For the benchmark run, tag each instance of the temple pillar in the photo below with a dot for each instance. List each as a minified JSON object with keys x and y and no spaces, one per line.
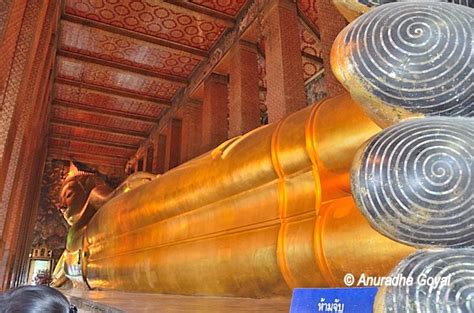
{"x":167,"y":132}
{"x":192,"y":128}
{"x":331,"y":22}
{"x":175,"y":143}
{"x":159,"y":161}
{"x":149,"y":156}
{"x":244,"y":112}
{"x":214,"y":112}
{"x":285,"y":81}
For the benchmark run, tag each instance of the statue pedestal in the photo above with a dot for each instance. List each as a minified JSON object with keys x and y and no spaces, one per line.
{"x":114,"y":302}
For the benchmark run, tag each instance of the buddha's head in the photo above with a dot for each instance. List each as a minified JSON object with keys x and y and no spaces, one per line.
{"x":75,"y":192}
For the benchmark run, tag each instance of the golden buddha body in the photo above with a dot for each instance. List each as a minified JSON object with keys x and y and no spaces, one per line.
{"x":259,"y":215}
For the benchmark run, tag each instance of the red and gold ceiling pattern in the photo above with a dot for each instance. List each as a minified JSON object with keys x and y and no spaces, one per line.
{"x":310,"y":68}
{"x":107,"y":101}
{"x":104,"y":76}
{"x":92,"y":134}
{"x":311,"y":49}
{"x":308,"y":8}
{"x":169,"y":23}
{"x":98,"y":149}
{"x":122,"y":49}
{"x":310,"y":44}
{"x":230,"y":7}
{"x":75,"y":115}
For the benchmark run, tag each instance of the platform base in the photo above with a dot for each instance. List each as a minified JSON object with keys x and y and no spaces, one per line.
{"x":113,"y":302}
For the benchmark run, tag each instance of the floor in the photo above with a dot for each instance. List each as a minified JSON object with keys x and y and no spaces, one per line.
{"x":112,"y":301}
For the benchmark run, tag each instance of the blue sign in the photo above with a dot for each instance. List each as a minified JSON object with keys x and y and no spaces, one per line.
{"x":335,"y":300}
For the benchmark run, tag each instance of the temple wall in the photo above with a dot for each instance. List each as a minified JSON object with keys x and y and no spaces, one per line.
{"x":27,"y":39}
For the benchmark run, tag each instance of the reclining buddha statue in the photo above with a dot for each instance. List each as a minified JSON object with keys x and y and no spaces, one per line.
{"x":276,"y":208}
{"x":257,"y":216}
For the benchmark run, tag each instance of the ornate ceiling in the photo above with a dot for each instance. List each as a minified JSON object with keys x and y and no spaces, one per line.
{"x":122,"y":64}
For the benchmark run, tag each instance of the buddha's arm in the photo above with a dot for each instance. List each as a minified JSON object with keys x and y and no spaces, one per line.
{"x":59,"y":276}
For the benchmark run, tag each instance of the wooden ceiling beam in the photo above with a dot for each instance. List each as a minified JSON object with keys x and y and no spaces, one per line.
{"x":62,"y":154}
{"x":133,"y":34}
{"x":66,"y":152}
{"x":106,"y":112}
{"x":311,"y":57}
{"x":107,"y":115}
{"x":95,"y":142}
{"x":111,"y":130}
{"x":124,"y":67}
{"x":112,"y":92}
{"x":128,"y":140}
{"x":209,"y":13}
{"x":124,"y":154}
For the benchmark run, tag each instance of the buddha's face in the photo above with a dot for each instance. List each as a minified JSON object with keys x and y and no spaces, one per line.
{"x":74,"y":195}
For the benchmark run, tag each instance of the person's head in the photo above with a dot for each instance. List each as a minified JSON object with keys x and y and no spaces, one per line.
{"x":34,"y":299}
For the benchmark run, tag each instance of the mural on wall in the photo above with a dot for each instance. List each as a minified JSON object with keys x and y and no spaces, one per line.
{"x":313,"y":68}
{"x":50,"y":229}
{"x":262,"y":85}
{"x":315,"y":89}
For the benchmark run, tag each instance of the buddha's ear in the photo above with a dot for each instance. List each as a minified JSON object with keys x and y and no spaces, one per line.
{"x":73,"y":171}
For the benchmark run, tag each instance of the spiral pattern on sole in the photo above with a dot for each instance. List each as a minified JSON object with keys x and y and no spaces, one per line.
{"x":442,"y":281}
{"x":413,"y":182}
{"x":409,"y":58}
